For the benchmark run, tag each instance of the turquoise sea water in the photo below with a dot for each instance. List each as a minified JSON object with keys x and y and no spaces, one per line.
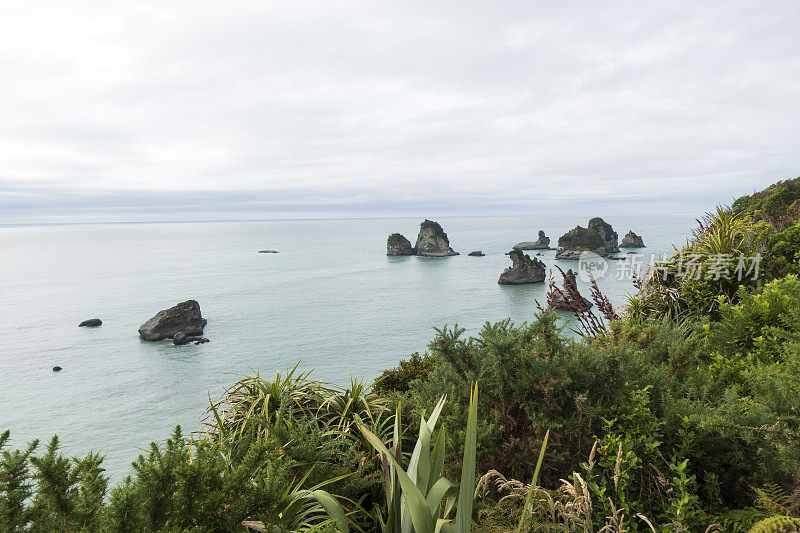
{"x":330,"y":299}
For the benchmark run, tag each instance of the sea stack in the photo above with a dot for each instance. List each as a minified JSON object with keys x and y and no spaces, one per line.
{"x":607,"y":233}
{"x":523,"y":270}
{"x":568,"y":298}
{"x":184,"y":318}
{"x":631,"y":240}
{"x":397,"y":244}
{"x":432,"y":241}
{"x":542,"y":243}
{"x":599,"y":237}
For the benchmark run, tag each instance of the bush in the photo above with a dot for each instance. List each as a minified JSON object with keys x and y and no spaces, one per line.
{"x":398,"y":379}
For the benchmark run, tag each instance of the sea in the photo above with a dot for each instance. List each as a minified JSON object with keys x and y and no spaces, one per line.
{"x":330,"y":301}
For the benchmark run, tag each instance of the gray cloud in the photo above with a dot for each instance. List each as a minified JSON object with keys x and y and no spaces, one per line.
{"x":378,"y":107}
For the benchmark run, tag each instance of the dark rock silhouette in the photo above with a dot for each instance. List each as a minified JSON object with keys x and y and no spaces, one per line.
{"x":523,"y":270}
{"x":397,"y":244}
{"x":183,"y":318}
{"x":599,"y":237}
{"x":432,"y":241}
{"x":568,"y":298}
{"x":91,"y":323}
{"x":631,"y":240}
{"x":543,"y":243}
{"x":56,"y":369}
{"x":476,"y":253}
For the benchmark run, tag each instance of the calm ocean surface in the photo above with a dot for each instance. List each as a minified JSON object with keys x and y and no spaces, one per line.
{"x":330,"y":299}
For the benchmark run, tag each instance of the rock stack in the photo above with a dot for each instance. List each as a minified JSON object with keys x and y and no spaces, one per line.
{"x":631,"y":240}
{"x":523,"y":269}
{"x":397,"y":244}
{"x":599,"y":237}
{"x":432,"y":241}
{"x":184,"y":320}
{"x":568,"y":298}
{"x":542,"y":243}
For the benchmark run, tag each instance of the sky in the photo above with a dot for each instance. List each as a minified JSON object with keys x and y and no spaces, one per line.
{"x":187,"y":110}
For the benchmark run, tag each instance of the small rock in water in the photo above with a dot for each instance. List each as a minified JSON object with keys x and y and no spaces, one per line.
{"x":56,"y":369}
{"x":268,"y":251}
{"x":631,"y":240}
{"x":91,"y":323}
{"x":476,"y":253}
{"x":182,"y":337}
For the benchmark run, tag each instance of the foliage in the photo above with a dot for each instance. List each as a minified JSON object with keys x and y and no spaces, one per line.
{"x":773,"y":204}
{"x":175,"y":486}
{"x":314,"y":424}
{"x":533,"y":379}
{"x":419,"y":499}
{"x":580,"y":238}
{"x":399,"y":379}
{"x":777,"y":524}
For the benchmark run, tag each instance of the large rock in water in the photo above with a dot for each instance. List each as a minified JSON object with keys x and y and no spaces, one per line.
{"x":397,"y":244}
{"x":607,"y":233}
{"x":568,"y":298}
{"x":631,"y":240}
{"x":183,"y":318}
{"x":91,"y":323}
{"x":578,"y":240}
{"x":432,"y":241}
{"x":523,"y":269}
{"x":543,"y":243}
{"x":599,"y":237}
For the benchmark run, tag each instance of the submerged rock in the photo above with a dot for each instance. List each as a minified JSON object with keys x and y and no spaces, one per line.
{"x":91,"y":323}
{"x":183,"y":318}
{"x":631,"y":240}
{"x":397,"y":244}
{"x":476,"y":253}
{"x":268,"y":251}
{"x":432,"y":241}
{"x":568,"y":298}
{"x":523,"y":269}
{"x":542,"y":243}
{"x":599,"y":237}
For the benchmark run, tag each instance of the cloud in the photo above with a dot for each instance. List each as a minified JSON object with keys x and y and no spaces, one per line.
{"x":377,"y":106}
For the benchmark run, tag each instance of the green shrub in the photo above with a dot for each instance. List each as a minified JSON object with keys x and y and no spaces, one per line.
{"x":399,"y":379}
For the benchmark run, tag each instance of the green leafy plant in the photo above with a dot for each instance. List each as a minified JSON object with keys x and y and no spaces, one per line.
{"x":419,"y":499}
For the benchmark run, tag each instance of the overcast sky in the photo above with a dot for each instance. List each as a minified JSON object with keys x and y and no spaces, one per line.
{"x":114,"y":110}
